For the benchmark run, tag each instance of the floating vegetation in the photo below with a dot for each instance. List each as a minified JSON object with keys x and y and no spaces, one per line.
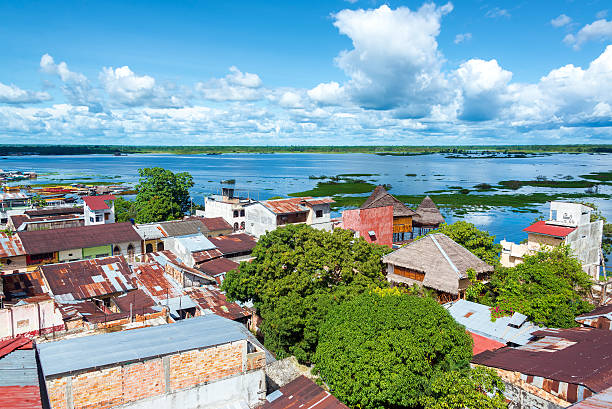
{"x":562,"y":184}
{"x":229,"y":182}
{"x":411,"y":174}
{"x":337,"y":188}
{"x":601,"y":176}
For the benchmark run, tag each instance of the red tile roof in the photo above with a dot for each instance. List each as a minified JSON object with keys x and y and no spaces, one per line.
{"x":577,"y":355}
{"x":88,"y":278}
{"x":215,"y":301}
{"x":10,"y":245}
{"x":302,"y":393}
{"x":541,"y":227}
{"x":98,"y":202}
{"x":48,"y":241}
{"x":482,"y":344}
{"x":234,"y":243}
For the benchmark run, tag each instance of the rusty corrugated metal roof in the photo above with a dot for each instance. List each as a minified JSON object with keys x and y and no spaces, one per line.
{"x":302,"y":393}
{"x":602,"y":400}
{"x":234,"y":243}
{"x":206,"y":255}
{"x":80,"y":280}
{"x":151,"y":277}
{"x":285,"y":206}
{"x":577,"y":355}
{"x":209,"y":298}
{"x":21,"y":285}
{"x":10,"y":246}
{"x":218,"y":266}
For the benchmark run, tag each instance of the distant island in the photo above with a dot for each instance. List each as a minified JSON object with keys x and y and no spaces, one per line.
{"x":453,"y":151}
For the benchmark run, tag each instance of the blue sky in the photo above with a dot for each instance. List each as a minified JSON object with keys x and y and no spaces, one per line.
{"x":324,"y":72}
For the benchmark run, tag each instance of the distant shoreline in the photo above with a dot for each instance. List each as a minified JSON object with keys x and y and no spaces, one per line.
{"x":455,"y":152}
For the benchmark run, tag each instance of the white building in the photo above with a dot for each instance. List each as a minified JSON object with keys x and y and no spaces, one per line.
{"x":568,"y":224}
{"x":262,"y":217}
{"x":231,"y":208}
{"x":99,"y":209}
{"x":192,"y":249}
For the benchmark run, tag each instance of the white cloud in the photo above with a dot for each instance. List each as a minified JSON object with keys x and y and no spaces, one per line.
{"x":497,"y":12}
{"x":483,"y":84}
{"x":560,"y":21}
{"x":601,"y":14}
{"x":236,"y":86}
{"x":395,"y":62}
{"x":597,"y":30}
{"x":290,"y":100}
{"x":76,"y":86}
{"x":328,"y":93}
{"x":460,"y":38}
{"x":12,"y":94}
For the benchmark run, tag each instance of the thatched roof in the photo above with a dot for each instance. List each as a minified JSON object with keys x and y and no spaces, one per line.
{"x":427,"y":214}
{"x":443,"y":261}
{"x":381,"y":198}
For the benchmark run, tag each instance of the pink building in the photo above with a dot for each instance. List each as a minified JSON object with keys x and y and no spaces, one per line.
{"x":375,"y":225}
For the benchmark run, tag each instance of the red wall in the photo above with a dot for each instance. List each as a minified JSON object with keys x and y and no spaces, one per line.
{"x":379,"y":219}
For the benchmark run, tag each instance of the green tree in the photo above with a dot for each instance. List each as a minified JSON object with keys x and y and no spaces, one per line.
{"x":125,"y":210}
{"x":162,"y":195}
{"x":549,"y":287}
{"x":298,"y":274}
{"x":479,"y":242}
{"x":386,"y":349}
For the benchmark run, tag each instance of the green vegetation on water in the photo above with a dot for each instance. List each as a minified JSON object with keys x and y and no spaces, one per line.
{"x":601,"y":176}
{"x":380,"y":149}
{"x":337,"y":188}
{"x":565,"y":184}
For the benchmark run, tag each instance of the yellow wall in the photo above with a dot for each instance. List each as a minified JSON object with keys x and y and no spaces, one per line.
{"x":402,"y":224}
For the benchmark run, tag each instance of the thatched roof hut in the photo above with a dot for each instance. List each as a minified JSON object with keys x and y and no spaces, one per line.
{"x":442,"y":261}
{"x":427,"y":214}
{"x":381,"y":198}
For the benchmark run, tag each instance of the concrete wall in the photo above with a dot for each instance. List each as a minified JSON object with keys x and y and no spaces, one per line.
{"x":259,"y":220}
{"x":585,"y":242}
{"x":215,"y":208}
{"x":90,"y":215}
{"x":30,"y":320}
{"x":379,"y":220}
{"x":72,"y":255}
{"x":123,"y":249}
{"x":13,"y":263}
{"x":571,"y":214}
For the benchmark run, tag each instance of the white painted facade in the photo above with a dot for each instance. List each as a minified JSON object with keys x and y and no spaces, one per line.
{"x":261,"y":220}
{"x":105,"y":216}
{"x":569,"y":214}
{"x":231,"y":209}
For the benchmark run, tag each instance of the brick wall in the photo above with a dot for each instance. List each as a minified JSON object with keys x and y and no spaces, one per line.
{"x":126,"y":383}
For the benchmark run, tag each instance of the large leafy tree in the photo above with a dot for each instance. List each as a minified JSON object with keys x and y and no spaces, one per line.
{"x":162,"y":195}
{"x":386,"y":349}
{"x":297,"y":275}
{"x":549,"y":287}
{"x":124,"y":210}
{"x":479,"y":242}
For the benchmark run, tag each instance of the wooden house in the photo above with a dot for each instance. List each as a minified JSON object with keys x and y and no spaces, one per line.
{"x":402,"y":215}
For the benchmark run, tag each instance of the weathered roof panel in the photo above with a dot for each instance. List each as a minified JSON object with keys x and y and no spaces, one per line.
{"x":234,"y":243}
{"x":10,"y":245}
{"x":126,"y":346}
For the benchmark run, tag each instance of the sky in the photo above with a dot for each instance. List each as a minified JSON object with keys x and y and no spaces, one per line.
{"x":333,"y":72}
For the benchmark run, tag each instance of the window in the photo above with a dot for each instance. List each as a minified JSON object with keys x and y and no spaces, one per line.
{"x":236,"y":226}
{"x":116,"y":250}
{"x":98,"y":217}
{"x":91,"y":219}
{"x":319,"y":213}
{"x":106,"y":216}
{"x":236,"y":213}
{"x":160,"y":246}
{"x":149,"y":248}
{"x":242,"y":213}
{"x":242,"y":226}
{"x":553,"y":215}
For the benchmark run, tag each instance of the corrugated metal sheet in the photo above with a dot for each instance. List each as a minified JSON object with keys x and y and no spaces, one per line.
{"x":10,"y":246}
{"x":302,"y":393}
{"x":477,"y":319}
{"x":218,"y":266}
{"x":285,"y":206}
{"x":213,"y":300}
{"x":76,"y":279}
{"x":96,"y":351}
{"x":541,"y":227}
{"x":19,"y":388}
{"x":19,"y":368}
{"x":20,"y":397}
{"x":98,"y":202}
{"x":195,"y":242}
{"x":234,"y":243}
{"x":24,"y":284}
{"x":580,"y":356}
{"x":602,"y":400}
{"x":154,"y":281}
{"x":13,"y":196}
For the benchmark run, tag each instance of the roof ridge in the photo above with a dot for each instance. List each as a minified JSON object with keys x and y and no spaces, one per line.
{"x":450,"y":262}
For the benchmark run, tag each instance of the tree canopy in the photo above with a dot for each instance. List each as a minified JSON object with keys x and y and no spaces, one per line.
{"x":162,"y":195}
{"x":124,"y":210}
{"x":298,"y":274}
{"x":479,"y":242}
{"x":549,"y":287}
{"x":387,"y":349}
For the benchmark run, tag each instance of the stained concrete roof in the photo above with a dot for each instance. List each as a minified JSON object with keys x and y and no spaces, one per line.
{"x":97,"y":351}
